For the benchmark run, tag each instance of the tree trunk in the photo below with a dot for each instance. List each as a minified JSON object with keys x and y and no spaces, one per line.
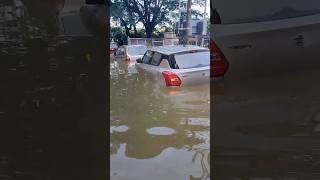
{"x":135,"y":29}
{"x":149,"y":30}
{"x":127,"y":31}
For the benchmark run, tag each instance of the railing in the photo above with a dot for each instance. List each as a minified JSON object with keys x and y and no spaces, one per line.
{"x":151,"y":42}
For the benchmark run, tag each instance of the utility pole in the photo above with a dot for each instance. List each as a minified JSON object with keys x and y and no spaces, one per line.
{"x":185,"y":21}
{"x":205,"y":10}
{"x":189,"y":29}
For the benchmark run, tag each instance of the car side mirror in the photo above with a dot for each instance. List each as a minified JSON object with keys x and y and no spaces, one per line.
{"x":139,"y":60}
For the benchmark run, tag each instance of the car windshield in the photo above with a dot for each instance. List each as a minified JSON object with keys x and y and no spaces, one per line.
{"x":193,"y":59}
{"x":137,"y":50}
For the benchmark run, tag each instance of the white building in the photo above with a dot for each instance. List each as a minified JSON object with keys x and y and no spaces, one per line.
{"x":198,"y":26}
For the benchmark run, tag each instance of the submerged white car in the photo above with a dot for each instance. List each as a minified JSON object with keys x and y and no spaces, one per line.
{"x":131,"y":52}
{"x":176,"y":65}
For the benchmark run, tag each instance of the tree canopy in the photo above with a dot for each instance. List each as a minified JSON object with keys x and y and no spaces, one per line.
{"x":150,"y":13}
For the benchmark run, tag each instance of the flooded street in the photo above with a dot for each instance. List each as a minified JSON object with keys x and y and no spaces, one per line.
{"x":267,"y":128}
{"x":53,"y":83}
{"x":157,"y":133}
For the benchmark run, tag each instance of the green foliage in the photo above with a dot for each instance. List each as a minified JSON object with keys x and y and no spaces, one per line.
{"x":140,"y":33}
{"x":159,"y":32}
{"x":119,"y":35}
{"x":150,"y":13}
{"x":196,"y":14}
{"x":119,"y":11}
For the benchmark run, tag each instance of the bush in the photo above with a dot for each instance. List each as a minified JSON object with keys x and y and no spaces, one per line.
{"x":119,"y":35}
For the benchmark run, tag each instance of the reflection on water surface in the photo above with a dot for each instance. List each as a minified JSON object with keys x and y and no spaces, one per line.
{"x":52,"y":96}
{"x":157,"y":134}
{"x":267,"y":128}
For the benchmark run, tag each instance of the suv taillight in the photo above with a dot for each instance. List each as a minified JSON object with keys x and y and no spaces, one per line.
{"x":219,"y":64}
{"x":171,"y":78}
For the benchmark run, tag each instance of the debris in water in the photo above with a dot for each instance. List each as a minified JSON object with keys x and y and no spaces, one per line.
{"x":161,"y":131}
{"x":122,"y":128}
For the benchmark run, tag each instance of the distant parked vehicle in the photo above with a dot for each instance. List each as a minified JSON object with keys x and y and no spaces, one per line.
{"x":131,"y":53}
{"x":113,"y":47}
{"x":254,"y":39}
{"x":176,"y":65}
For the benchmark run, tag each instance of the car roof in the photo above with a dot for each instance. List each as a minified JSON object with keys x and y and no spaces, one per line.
{"x":174,"y":49}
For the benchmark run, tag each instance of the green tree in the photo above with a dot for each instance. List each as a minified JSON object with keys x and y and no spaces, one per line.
{"x":122,"y":13}
{"x":139,"y":33}
{"x":159,"y":31}
{"x":119,"y":35}
{"x":151,"y":12}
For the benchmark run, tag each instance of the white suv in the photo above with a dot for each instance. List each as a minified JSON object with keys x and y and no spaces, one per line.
{"x":176,"y":65}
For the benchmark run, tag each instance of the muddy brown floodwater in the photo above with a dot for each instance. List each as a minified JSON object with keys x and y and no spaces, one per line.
{"x":267,"y":128}
{"x":53,"y":91}
{"x":157,"y":133}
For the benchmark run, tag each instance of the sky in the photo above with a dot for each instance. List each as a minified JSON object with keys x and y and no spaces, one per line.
{"x":201,"y":9}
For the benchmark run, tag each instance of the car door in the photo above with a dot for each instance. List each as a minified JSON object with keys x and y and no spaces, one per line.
{"x":153,"y":66}
{"x":266,"y":37}
{"x":150,"y":66}
{"x":145,"y":61}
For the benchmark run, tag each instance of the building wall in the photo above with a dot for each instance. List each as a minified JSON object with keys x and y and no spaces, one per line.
{"x":196,"y":25}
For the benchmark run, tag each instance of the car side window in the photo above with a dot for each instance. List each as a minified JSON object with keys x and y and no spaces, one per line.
{"x":147,"y":57}
{"x":156,"y":58}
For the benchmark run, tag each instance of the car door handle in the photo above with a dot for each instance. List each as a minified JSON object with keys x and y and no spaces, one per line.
{"x":242,"y":46}
{"x":299,"y":40}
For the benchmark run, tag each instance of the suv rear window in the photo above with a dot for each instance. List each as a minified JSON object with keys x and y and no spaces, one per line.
{"x":246,"y":11}
{"x":192,"y":60}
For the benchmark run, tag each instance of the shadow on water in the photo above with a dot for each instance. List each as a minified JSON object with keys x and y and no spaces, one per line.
{"x":157,"y":133}
{"x":267,"y":128}
{"x":53,"y":92}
